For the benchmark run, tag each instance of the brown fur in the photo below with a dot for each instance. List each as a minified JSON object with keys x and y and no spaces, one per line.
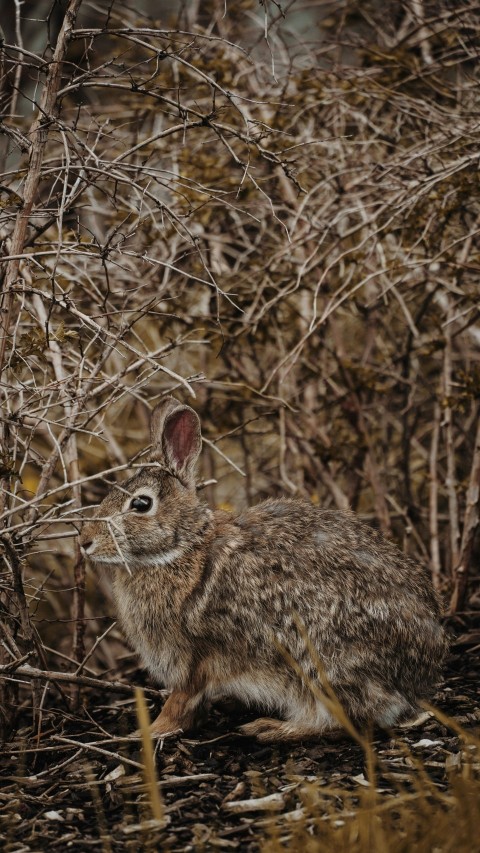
{"x":215,"y":603}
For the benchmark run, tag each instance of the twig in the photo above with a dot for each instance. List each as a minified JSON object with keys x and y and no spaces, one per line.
{"x":470,"y":526}
{"x":97,"y":642}
{"x":451,"y":480}
{"x":91,"y":747}
{"x":433,"y":498}
{"x":86,"y":681}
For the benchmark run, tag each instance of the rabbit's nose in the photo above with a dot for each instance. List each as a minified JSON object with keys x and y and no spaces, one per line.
{"x":85,"y":545}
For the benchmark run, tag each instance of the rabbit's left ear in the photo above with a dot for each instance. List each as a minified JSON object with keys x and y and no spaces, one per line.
{"x":177,"y":437}
{"x":161,"y":411}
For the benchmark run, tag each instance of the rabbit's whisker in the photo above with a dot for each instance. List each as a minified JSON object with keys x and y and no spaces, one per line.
{"x":158,"y":560}
{"x":112,"y":524}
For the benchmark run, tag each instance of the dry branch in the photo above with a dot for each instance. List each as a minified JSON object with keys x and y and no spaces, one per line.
{"x":28,"y":671}
{"x":462,"y":568}
{"x":38,"y":136}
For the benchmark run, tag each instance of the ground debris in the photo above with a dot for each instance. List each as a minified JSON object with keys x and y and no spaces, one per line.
{"x":73,"y":786}
{"x":272,"y":802}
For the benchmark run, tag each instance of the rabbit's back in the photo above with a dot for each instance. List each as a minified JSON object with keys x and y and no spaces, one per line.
{"x":293,"y":554}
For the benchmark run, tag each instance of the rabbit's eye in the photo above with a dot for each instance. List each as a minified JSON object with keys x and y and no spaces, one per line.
{"x":142,"y":503}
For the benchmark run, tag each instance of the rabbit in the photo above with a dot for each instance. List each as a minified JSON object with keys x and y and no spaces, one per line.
{"x":280,"y":606}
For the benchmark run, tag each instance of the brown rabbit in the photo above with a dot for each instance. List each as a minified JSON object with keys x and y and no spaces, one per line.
{"x":264,"y":606}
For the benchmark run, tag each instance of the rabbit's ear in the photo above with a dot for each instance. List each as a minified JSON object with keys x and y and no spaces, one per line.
{"x":160,"y":412}
{"x":176,"y":437}
{"x":182,"y":441}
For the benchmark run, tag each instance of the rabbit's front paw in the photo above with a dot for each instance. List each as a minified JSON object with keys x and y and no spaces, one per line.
{"x":156,"y":731}
{"x":181,"y":713}
{"x":164,"y":729}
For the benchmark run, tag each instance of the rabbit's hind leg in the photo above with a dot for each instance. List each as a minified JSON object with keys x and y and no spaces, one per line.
{"x":181,"y":713}
{"x":306,"y":718}
{"x":269,"y":730}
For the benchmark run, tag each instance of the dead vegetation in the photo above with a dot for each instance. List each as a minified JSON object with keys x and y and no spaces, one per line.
{"x":275,"y":210}
{"x":83,"y":785}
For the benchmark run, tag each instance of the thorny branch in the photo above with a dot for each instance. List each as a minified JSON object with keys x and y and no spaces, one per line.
{"x":38,"y":136}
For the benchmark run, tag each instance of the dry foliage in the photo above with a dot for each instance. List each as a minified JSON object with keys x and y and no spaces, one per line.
{"x":273,"y":209}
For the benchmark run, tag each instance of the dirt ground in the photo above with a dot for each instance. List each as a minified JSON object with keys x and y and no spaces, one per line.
{"x":79,"y":784}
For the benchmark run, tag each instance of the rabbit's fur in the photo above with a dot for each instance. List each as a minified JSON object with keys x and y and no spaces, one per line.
{"x":265,"y":606}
